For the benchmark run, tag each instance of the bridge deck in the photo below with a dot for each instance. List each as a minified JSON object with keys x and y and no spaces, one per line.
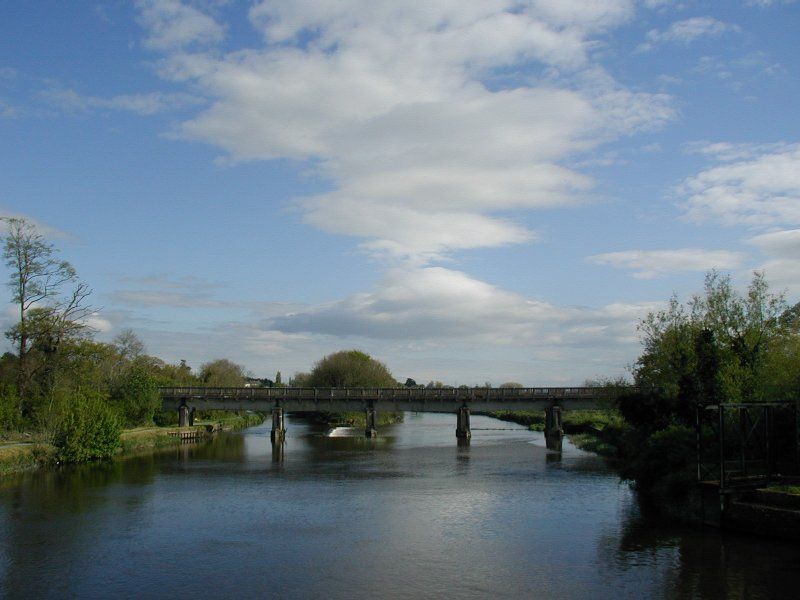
{"x":387,"y":399}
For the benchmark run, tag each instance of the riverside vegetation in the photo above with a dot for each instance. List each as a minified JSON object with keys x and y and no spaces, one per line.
{"x":65,"y":397}
{"x":720,"y":346}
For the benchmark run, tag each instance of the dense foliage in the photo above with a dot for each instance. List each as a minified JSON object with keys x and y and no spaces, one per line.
{"x":722,"y":346}
{"x":61,"y":385}
{"x":350,"y":368}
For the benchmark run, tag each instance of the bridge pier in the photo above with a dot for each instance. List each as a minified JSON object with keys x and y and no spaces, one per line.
{"x":278,"y":433}
{"x":191,"y":417}
{"x":370,"y":430}
{"x":553,"y":430}
{"x":463,"y":432}
{"x":183,"y":415}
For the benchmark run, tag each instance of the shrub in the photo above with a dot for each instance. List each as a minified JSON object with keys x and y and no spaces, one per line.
{"x":137,"y":396}
{"x":89,"y":430}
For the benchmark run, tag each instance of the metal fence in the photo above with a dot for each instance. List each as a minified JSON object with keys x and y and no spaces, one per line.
{"x":747,"y":443}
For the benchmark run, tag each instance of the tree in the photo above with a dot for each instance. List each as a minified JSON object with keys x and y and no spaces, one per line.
{"x":47,"y":313}
{"x":129,"y":344}
{"x":717,"y":345}
{"x":222,"y":373}
{"x":351,"y":368}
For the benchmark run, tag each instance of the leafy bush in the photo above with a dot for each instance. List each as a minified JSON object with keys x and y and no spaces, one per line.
{"x":89,"y":430}
{"x":137,"y":396}
{"x":662,"y":463}
{"x":10,"y":417}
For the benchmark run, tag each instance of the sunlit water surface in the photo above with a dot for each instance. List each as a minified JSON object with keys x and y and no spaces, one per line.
{"x":408,"y":515}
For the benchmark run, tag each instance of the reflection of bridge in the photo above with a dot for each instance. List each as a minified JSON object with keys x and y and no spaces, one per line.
{"x":459,"y":401}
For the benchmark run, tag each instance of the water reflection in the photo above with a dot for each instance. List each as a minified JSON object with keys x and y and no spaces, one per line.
{"x":409,"y":514}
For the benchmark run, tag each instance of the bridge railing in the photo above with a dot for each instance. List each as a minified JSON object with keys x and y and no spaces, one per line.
{"x":510,"y":394}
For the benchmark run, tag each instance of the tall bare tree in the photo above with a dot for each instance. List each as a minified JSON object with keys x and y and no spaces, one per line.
{"x":50,"y":299}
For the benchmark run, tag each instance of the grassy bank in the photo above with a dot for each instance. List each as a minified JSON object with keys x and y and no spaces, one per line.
{"x":590,"y":430}
{"x":18,"y":457}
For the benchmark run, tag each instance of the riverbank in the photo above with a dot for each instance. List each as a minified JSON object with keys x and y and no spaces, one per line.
{"x":21,"y":456}
{"x":590,"y":430}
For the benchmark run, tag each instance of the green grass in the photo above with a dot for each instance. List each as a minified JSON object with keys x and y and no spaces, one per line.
{"x":20,"y":458}
{"x":786,"y":489}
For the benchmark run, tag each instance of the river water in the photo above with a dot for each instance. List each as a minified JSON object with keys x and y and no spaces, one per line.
{"x":408,"y":515}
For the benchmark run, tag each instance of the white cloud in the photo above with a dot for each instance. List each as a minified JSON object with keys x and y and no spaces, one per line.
{"x":172,"y":24}
{"x":141,"y":104}
{"x":687,"y":31}
{"x":388,"y":100}
{"x":434,"y":303}
{"x":765,"y":3}
{"x":782,"y":267}
{"x":648,"y":264}
{"x":756,"y":185}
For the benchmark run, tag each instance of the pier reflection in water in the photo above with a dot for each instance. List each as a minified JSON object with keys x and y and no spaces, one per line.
{"x":409,"y":514}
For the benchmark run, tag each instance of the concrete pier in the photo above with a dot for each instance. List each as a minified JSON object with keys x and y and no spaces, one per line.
{"x":191,"y":417}
{"x":370,"y":430}
{"x":278,"y":433}
{"x":553,"y":430}
{"x":183,"y":415}
{"x":463,"y":432}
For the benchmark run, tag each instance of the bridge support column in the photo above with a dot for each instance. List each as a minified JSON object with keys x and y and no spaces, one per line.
{"x":369,"y":430}
{"x":278,"y":433}
{"x":553,"y":430}
{"x":183,"y":415}
{"x":463,"y":432}
{"x":191,"y":417}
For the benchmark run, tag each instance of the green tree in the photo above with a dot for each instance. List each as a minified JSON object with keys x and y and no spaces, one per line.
{"x":89,"y":430}
{"x":47,"y":312}
{"x":137,"y":396}
{"x":222,"y":373}
{"x":351,"y":368}
{"x":717,"y":345}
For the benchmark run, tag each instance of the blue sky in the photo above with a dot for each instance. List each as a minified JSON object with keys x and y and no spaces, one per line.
{"x":468,"y":190}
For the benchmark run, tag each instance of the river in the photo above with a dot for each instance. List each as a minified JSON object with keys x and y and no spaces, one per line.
{"x":408,"y":515}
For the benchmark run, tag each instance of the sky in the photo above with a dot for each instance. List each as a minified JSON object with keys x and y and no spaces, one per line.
{"x":468,"y":190}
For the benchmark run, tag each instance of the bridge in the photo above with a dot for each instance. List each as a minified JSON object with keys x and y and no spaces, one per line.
{"x":459,"y":401}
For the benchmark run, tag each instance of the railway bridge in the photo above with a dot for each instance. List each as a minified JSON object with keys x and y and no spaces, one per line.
{"x":458,"y":401}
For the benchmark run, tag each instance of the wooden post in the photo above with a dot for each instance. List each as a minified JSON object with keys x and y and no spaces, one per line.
{"x":278,"y":433}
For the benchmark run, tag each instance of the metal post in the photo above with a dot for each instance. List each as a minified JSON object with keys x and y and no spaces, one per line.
{"x":743,"y":439}
{"x":767,"y":435}
{"x":721,"y":437}
{"x":278,"y":432}
{"x":463,"y":431}
{"x":698,"y":440}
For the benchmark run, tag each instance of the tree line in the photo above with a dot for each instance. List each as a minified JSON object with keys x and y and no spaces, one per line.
{"x":62,"y":385}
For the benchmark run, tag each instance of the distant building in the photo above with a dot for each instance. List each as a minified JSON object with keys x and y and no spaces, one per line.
{"x":255,"y":382}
